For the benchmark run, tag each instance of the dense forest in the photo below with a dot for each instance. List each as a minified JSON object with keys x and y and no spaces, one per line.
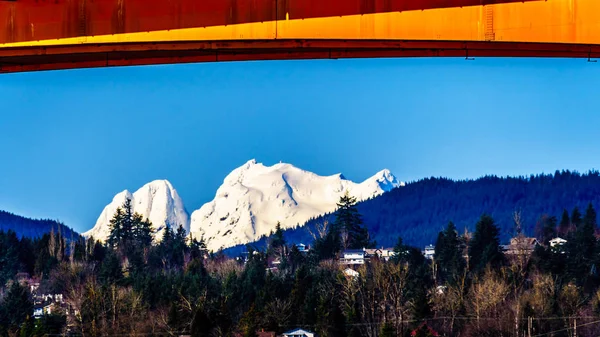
{"x":419,"y":210}
{"x":32,"y":228}
{"x":131,"y":286}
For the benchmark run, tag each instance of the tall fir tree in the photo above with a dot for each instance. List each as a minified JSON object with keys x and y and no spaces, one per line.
{"x":565,"y":223}
{"x":484,"y":248}
{"x":277,"y":240}
{"x":349,"y":222}
{"x":142,"y":231}
{"x":18,"y":305}
{"x":448,"y":254}
{"x":116,"y":229}
{"x":576,"y":217}
{"x":581,"y":247}
{"x":548,"y":231}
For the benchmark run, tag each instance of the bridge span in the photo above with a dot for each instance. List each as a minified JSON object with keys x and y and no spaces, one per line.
{"x":65,"y":34}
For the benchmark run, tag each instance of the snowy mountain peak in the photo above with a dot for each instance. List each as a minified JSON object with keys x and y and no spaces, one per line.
{"x":157,"y":201}
{"x":254,"y":197}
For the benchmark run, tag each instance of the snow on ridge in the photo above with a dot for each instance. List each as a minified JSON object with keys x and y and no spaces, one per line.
{"x":157,"y":201}
{"x":249,"y":203}
{"x":254,"y":197}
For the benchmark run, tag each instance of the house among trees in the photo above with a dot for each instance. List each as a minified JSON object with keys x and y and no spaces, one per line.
{"x":557,"y":242}
{"x":520,"y":245}
{"x":429,"y":252}
{"x":302,"y":248}
{"x":382,"y":253}
{"x":351,"y":273}
{"x":299,"y":333}
{"x":40,"y":310}
{"x":353,"y":256}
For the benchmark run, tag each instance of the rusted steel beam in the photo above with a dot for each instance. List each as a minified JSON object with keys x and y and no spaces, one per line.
{"x":20,"y":59}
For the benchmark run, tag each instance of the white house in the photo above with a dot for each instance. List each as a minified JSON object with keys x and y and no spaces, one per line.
{"x":557,"y":242}
{"x":429,"y":252}
{"x":382,"y":253}
{"x":299,"y":333}
{"x":353,"y":256}
{"x":42,"y":309}
{"x":302,"y":247}
{"x":351,"y":273}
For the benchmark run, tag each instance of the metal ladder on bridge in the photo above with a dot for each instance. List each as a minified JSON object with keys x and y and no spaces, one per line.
{"x":489,"y":34}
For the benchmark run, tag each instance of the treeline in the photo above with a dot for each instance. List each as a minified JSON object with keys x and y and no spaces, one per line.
{"x":133,"y":286}
{"x":418,"y":211}
{"x":32,"y":228}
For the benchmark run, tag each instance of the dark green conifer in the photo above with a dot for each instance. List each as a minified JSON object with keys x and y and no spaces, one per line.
{"x":484,"y":248}
{"x":349,"y":222}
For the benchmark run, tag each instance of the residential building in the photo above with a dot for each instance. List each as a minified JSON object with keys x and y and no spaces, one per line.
{"x":429,"y":252}
{"x":382,"y":253}
{"x":299,"y":333}
{"x":520,"y":245}
{"x":302,"y":247}
{"x":351,"y":273}
{"x":40,"y":310}
{"x":557,"y":242}
{"x":353,"y":256}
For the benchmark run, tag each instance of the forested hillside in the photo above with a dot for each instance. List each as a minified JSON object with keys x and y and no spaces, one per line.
{"x":419,"y":210}
{"x":32,"y":228}
{"x":472,"y":286}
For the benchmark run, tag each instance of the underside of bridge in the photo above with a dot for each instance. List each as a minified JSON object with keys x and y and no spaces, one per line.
{"x":65,"y":34}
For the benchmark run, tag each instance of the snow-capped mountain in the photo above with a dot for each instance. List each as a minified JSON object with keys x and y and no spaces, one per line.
{"x":157,"y":201}
{"x":254,"y":197}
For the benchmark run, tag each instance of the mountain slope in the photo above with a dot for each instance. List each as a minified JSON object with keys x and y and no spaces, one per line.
{"x":157,"y":201}
{"x":32,"y":228}
{"x":420,"y":210}
{"x":254,"y":197}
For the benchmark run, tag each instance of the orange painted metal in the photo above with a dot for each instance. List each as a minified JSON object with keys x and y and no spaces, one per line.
{"x":30,"y":20}
{"x":64,"y":34}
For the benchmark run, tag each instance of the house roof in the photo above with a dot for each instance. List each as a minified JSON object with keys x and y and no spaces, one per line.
{"x":557,"y":239}
{"x":354,"y":251}
{"x":297,"y":331}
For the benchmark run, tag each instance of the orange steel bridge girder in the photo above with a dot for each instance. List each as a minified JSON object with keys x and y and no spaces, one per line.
{"x":64,"y":34}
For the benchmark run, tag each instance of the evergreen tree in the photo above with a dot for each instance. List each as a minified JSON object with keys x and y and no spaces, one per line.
{"x":581,"y":247}
{"x":179,"y":247}
{"x":127,"y":229}
{"x":197,"y":248}
{"x":116,"y":229}
{"x":328,"y":246}
{"x":142,"y":231}
{"x":9,"y":255}
{"x":565,"y":222}
{"x":576,"y":217}
{"x":484,"y":248}
{"x":277,"y":239}
{"x":17,"y":305}
{"x":349,"y":223}
{"x":590,"y":218}
{"x":400,"y":252}
{"x":548,"y":229}
{"x":249,"y":324}
{"x":448,"y":254}
{"x":110,"y":270}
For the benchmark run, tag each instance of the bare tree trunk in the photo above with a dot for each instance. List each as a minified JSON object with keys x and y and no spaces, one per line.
{"x":517,"y":319}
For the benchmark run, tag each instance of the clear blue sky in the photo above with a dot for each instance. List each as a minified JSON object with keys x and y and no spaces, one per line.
{"x":70,"y":140}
